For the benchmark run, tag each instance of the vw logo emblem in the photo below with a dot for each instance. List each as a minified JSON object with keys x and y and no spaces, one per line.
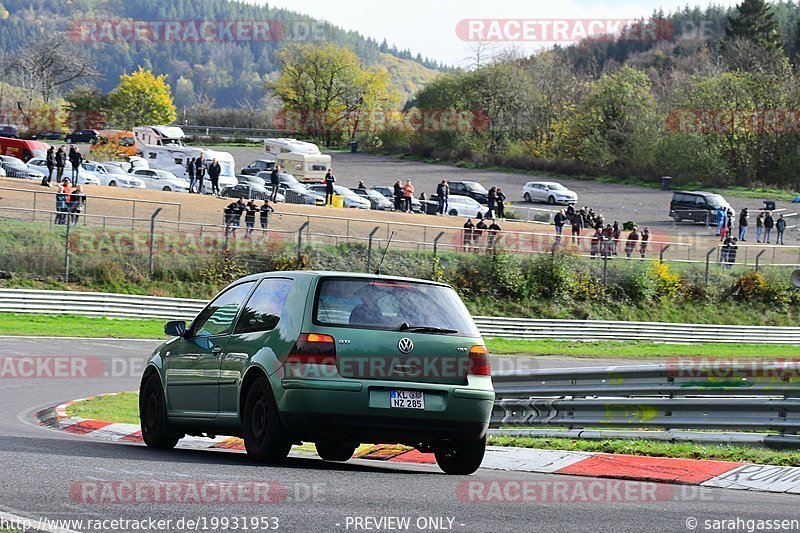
{"x":405,"y":345}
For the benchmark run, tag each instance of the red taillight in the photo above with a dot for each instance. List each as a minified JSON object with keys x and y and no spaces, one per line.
{"x":314,"y":349}
{"x":479,"y":361}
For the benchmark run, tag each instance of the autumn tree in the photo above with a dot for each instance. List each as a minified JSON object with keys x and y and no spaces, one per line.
{"x":141,"y":98}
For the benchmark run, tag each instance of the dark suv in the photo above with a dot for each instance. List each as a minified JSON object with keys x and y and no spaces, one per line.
{"x":696,"y":206}
{"x":82,"y":136}
{"x":473,"y":189}
{"x":259,"y":165}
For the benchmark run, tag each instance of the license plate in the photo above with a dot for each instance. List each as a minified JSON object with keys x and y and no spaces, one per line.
{"x":406,"y":399}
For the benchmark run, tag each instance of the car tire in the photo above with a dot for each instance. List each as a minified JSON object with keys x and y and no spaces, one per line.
{"x":112,"y":184}
{"x":166,"y":189}
{"x":453,"y":213}
{"x":677,"y":217}
{"x":335,"y":451}
{"x":68,"y":140}
{"x":264,"y":435}
{"x":153,"y":415}
{"x":551,"y":200}
{"x":528,"y":198}
{"x":461,"y":459}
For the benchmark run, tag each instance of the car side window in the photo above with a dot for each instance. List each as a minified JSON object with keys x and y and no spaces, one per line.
{"x":263,"y":310}
{"x":217,"y":318}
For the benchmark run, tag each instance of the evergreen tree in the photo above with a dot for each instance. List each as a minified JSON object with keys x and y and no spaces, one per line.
{"x":755,"y":21}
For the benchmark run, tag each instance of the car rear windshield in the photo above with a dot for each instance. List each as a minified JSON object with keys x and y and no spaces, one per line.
{"x":392,"y":305}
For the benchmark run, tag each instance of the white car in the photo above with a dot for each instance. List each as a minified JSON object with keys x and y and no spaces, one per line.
{"x":161,"y":180}
{"x":84,"y":176}
{"x":16,"y":168}
{"x":549,"y":192}
{"x":351,"y":199}
{"x":2,"y":172}
{"x":463,"y":206}
{"x":113,"y":176}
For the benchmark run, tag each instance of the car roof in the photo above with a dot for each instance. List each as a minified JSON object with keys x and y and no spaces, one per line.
{"x":335,"y":274}
{"x":699,"y":193}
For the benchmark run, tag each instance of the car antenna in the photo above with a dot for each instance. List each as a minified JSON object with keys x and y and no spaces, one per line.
{"x":378,"y":270}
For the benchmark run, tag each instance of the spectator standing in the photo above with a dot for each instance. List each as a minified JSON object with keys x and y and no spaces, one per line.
{"x":631,"y":242}
{"x":61,"y":162}
{"x":595,"y":243}
{"x":250,"y":218}
{"x":442,"y":194}
{"x":744,"y":220}
{"x":616,"y":233}
{"x":577,"y":226}
{"x":501,"y":204}
{"x":493,"y":236}
{"x":721,"y":216}
{"x":599,"y":221}
{"x":361,"y":187}
{"x":724,"y":233}
{"x":608,"y":237}
{"x":477,"y":232}
{"x":408,"y":194}
{"x":77,"y":200}
{"x":492,"y":201}
{"x":330,"y":179}
{"x":61,"y":206}
{"x":760,"y":225}
{"x":729,"y":221}
{"x":234,"y":216}
{"x":559,"y":220}
{"x":265,"y":210}
{"x":214,"y":170}
{"x":732,"y":249}
{"x":468,"y":228}
{"x":190,"y":172}
{"x":398,"y":196}
{"x":50,"y":161}
{"x":76,"y":160}
{"x":275,"y":181}
{"x":780,"y":227}
{"x":645,"y":239}
{"x":200,"y":172}
{"x":769,"y":223}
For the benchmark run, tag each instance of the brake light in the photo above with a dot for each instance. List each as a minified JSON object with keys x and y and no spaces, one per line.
{"x":479,"y":361}
{"x":315,"y":349}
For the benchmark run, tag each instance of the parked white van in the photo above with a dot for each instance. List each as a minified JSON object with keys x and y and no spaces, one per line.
{"x":307,"y":168}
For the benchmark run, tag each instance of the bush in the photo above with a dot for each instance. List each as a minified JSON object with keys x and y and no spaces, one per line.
{"x":550,"y":276}
{"x":750,"y":287}
{"x":635,"y":282}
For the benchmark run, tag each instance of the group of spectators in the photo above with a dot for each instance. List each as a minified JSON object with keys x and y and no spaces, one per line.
{"x":473,"y":233}
{"x":69,"y":203}
{"x":56,"y":160}
{"x":765,"y":223}
{"x":233,"y":216}
{"x":197,"y":169}
{"x":605,"y":238}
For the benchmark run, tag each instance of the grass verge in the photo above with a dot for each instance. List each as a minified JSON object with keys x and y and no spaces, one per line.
{"x":79,"y":326}
{"x":124,"y":408}
{"x":683,"y":450}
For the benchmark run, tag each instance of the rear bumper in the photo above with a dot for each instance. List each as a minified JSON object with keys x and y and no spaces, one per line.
{"x":359,"y":411}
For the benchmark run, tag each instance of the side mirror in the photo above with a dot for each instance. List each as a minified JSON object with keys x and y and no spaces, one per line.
{"x":175,"y":328}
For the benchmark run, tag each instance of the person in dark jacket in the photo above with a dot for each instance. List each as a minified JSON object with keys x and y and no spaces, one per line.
{"x":77,"y":201}
{"x":577,"y":227}
{"x":442,"y":195}
{"x":233,"y":216}
{"x":501,"y":204}
{"x":744,"y":220}
{"x":190,"y":172}
{"x":492,"y":201}
{"x":645,"y":239}
{"x":559,"y":220}
{"x":398,"y":196}
{"x":61,"y":206}
{"x":769,"y":223}
{"x":330,"y":179}
{"x":76,"y":159}
{"x":780,"y":227}
{"x":616,"y":233}
{"x":200,"y":172}
{"x":477,"y":232}
{"x":493,"y":235}
{"x":214,"y":170}
{"x":50,"y":161}
{"x":274,"y":181}
{"x":468,"y":229}
{"x":265,"y":210}
{"x":631,"y":242}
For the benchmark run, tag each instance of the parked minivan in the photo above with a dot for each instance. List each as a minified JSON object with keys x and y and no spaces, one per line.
{"x":697,"y":206}
{"x":122,"y":142}
{"x":22,"y":149}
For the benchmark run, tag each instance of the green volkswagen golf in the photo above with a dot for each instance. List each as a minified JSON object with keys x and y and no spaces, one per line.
{"x":337,"y":359}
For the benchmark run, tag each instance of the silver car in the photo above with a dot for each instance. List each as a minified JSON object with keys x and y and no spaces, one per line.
{"x":113,"y":176}
{"x":549,"y":192}
{"x":161,"y":180}
{"x":85,"y":177}
{"x":16,"y":168}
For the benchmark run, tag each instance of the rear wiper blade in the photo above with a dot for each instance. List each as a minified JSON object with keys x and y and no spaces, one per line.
{"x":405,"y":326}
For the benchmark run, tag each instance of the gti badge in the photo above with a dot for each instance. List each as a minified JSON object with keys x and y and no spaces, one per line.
{"x":405,"y":345}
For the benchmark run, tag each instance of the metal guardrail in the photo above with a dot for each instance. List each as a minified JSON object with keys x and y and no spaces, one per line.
{"x":136,"y":306}
{"x":738,"y":396}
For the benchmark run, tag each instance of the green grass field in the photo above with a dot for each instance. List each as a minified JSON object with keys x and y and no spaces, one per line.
{"x":124,"y":408}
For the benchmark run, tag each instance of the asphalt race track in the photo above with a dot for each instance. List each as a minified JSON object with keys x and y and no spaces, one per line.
{"x":43,"y":471}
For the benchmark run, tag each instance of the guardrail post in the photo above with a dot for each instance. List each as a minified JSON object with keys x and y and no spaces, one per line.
{"x":152,"y":263}
{"x":708,"y":258}
{"x":67,"y":250}
{"x":436,"y":242}
{"x":661,"y":253}
{"x":300,"y":240}
{"x":369,"y":247}
{"x":758,"y":257}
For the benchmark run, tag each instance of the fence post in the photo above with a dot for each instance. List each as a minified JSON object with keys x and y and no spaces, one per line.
{"x":152,"y":263}
{"x":436,"y":242}
{"x":67,"y":250}
{"x":605,"y":260}
{"x":300,"y":240}
{"x":757,"y":259}
{"x":369,"y":248}
{"x":708,"y":258}
{"x":661,"y":253}
{"x":133,"y":215}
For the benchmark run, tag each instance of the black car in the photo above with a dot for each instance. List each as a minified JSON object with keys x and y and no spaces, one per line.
{"x":49,"y":135}
{"x":473,"y":189}
{"x":9,"y":131}
{"x":697,"y":206}
{"x":259,"y":165}
{"x":82,"y":136}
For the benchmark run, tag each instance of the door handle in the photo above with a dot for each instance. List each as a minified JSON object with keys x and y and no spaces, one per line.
{"x":216,"y":350}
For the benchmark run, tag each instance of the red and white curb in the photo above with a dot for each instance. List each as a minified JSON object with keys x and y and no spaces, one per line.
{"x":722,"y":474}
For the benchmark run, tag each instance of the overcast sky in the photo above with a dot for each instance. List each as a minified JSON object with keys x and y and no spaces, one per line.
{"x":429,"y":26}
